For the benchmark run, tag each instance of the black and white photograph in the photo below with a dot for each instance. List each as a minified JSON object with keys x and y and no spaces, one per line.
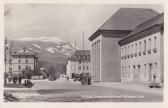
{"x":58,"y":52}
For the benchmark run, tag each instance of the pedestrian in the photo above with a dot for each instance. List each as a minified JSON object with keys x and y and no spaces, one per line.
{"x":14,"y":80}
{"x":20,"y":80}
{"x":25,"y":82}
{"x":154,"y":78}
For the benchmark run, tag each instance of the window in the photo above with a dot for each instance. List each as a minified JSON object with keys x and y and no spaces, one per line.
{"x":87,"y":67}
{"x":83,"y":67}
{"x":154,"y":49}
{"x":135,"y":49}
{"x":139,"y":49}
{"x":128,"y":51}
{"x":139,"y":46}
{"x":155,"y":68}
{"x":149,"y":43}
{"x":144,"y":52}
{"x":125,"y":52}
{"x":26,"y":61}
{"x":26,"y":67}
{"x":19,"y":67}
{"x":19,"y":60}
{"x":145,"y":71}
{"x":132,"y":51}
{"x":149,"y":50}
{"x":79,"y":67}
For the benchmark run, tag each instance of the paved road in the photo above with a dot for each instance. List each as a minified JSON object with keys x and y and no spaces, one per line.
{"x":64,"y":91}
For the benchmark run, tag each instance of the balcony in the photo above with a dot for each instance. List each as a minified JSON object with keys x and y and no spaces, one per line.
{"x":154,"y":50}
{"x":149,"y":51}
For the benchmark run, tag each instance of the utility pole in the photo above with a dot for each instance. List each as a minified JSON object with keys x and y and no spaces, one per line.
{"x":83,"y":48}
{"x":5,"y":42}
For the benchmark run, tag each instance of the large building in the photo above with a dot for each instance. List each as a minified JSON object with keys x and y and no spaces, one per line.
{"x":105,"y":50}
{"x":79,"y":63}
{"x":23,"y":60}
{"x":142,"y":52}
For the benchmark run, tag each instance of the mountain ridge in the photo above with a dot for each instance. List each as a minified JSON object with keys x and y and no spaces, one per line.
{"x":49,"y":49}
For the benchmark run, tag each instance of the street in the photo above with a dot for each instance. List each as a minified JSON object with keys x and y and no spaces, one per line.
{"x":69,"y":91}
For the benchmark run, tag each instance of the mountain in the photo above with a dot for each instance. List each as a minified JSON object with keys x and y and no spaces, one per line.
{"x":48,"y":49}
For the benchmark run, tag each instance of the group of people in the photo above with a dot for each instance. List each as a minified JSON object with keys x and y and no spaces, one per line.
{"x":84,"y":78}
{"x":13,"y":79}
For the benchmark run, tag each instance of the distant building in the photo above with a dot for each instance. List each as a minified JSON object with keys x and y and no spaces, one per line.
{"x":23,"y":60}
{"x":105,"y":50}
{"x":142,"y":52}
{"x":79,"y":63}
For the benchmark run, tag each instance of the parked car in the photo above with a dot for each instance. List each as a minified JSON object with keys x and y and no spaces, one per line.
{"x":155,"y":85}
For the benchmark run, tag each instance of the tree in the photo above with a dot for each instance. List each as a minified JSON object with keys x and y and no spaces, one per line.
{"x":27,"y":73}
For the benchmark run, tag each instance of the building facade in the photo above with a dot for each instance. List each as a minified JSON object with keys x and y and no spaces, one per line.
{"x":79,"y":63}
{"x":105,"y":50}
{"x":142,"y":52}
{"x":23,"y":60}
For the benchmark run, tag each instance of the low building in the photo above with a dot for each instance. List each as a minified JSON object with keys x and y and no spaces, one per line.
{"x":79,"y":63}
{"x":142,"y":52}
{"x":105,"y":50}
{"x":23,"y":60}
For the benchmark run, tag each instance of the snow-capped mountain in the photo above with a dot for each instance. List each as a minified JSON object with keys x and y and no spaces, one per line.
{"x":43,"y":39}
{"x":49,"y":49}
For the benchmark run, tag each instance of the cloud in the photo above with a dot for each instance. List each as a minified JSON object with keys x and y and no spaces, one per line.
{"x":65,"y":21}
{"x":39,"y":28}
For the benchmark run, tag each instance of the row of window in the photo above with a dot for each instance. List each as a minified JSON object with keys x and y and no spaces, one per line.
{"x":27,"y":67}
{"x":98,"y":41}
{"x":19,"y":61}
{"x":80,"y":62}
{"x":84,"y":56}
{"x":138,"y":49}
{"x":152,"y":68}
{"x":84,"y":67}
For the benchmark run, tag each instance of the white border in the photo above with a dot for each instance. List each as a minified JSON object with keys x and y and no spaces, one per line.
{"x":95,"y":104}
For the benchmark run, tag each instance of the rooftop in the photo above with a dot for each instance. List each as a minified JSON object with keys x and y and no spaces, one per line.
{"x":158,"y":20}
{"x":23,"y":52}
{"x":127,"y":19}
{"x":80,"y":55}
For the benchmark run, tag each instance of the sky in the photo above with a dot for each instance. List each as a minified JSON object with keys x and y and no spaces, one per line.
{"x":64,"y":21}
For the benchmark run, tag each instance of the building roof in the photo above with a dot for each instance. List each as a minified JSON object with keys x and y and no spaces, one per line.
{"x":127,"y":19}
{"x":158,"y":20}
{"x":23,"y":52}
{"x":80,"y":55}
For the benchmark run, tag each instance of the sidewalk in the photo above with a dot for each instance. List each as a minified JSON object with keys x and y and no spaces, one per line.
{"x":141,"y":87}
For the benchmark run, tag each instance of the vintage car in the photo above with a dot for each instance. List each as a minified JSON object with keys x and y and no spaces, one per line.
{"x":155,"y":85}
